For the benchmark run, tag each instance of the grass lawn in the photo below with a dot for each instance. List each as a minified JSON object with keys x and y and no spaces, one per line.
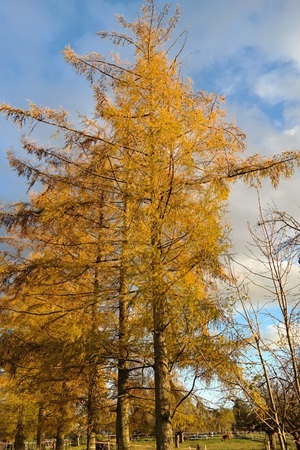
{"x":218,"y":444}
{"x":256,"y":442}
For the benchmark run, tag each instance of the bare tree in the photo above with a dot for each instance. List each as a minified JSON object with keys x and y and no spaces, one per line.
{"x":269,"y":325}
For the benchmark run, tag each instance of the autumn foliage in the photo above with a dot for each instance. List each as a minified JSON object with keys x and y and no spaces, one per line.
{"x":109,"y":271}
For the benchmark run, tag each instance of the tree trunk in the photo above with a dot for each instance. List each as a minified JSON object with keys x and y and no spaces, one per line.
{"x":19,"y":443}
{"x":59,"y":440}
{"x":181,"y":437}
{"x":272,"y":441}
{"x":177,"y":440}
{"x":91,"y":440}
{"x":164,"y":432}
{"x":40,"y":436}
{"x":122,"y":434}
{"x":296,"y":436}
{"x":282,"y":440}
{"x":122,"y":422}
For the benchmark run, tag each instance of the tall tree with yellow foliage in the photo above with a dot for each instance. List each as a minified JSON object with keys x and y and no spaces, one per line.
{"x":51,"y":272}
{"x":136,"y":200}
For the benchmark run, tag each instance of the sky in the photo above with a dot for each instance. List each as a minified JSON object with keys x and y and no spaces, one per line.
{"x":247,"y":50}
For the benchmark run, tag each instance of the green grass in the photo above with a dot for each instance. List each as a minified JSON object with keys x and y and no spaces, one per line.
{"x":232,"y":444}
{"x":251,"y":442}
{"x":208,"y":444}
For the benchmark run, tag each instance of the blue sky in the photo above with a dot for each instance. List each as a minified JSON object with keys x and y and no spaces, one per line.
{"x":246,"y":49}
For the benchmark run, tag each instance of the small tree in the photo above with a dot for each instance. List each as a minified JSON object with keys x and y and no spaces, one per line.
{"x":274,"y":369}
{"x":225,"y":419}
{"x":244,"y":416}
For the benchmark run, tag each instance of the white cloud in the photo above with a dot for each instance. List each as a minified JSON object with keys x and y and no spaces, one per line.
{"x":279,"y":86}
{"x":219,"y":29}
